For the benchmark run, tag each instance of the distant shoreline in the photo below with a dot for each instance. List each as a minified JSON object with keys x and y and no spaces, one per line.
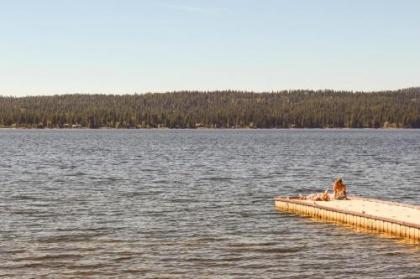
{"x":217,"y":110}
{"x":201,"y":129}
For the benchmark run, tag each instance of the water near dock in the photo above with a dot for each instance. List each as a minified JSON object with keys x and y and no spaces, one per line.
{"x":197,"y":203}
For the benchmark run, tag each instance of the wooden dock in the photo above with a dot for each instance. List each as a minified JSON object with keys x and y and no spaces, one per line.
{"x":397,"y":219}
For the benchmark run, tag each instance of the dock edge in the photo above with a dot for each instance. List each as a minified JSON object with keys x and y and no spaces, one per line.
{"x":355,"y":219}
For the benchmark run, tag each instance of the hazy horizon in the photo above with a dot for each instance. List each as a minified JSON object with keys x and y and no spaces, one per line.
{"x":203,"y":91}
{"x":126,"y":47}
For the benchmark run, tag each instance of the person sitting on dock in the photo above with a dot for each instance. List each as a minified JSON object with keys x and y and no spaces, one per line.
{"x":340,"y":189}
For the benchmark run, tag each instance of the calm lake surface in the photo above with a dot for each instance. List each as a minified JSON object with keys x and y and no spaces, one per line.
{"x":197,"y":203}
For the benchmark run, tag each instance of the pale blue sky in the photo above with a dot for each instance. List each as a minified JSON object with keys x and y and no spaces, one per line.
{"x":123,"y":46}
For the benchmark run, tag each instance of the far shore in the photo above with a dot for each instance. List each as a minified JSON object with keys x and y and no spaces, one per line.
{"x":204,"y":128}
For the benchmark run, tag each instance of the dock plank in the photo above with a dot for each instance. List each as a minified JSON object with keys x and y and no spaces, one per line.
{"x":394,"y":211}
{"x":383,"y":216}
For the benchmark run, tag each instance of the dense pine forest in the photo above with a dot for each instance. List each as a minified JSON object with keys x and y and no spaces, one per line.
{"x":220,"y":109}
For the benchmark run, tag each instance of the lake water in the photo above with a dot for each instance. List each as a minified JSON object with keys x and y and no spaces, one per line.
{"x":197,"y":203}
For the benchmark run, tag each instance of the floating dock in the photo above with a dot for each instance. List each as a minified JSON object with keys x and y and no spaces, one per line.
{"x":397,"y":219}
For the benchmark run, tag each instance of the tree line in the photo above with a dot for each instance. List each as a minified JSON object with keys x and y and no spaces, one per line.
{"x":218,"y":109}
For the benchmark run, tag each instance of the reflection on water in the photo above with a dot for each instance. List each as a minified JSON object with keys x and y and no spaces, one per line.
{"x":177,"y":204}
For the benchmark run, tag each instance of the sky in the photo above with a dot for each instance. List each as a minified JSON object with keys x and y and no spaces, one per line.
{"x":127,"y":46}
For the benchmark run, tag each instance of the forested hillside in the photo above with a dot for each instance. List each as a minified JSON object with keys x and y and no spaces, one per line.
{"x":221,"y":109}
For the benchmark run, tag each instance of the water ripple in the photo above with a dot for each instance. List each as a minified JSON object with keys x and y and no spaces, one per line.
{"x":197,"y":203}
